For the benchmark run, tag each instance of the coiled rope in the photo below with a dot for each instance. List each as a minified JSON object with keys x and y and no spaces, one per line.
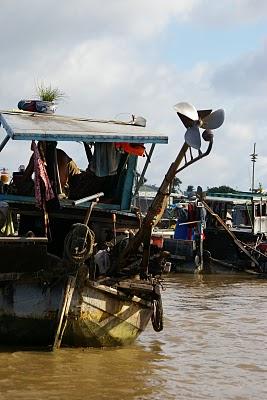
{"x":79,"y":244}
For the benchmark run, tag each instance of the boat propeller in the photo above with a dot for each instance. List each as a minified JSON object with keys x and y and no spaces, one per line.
{"x":194,"y":119}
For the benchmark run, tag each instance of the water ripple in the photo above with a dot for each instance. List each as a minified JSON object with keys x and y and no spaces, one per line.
{"x":213,"y":346}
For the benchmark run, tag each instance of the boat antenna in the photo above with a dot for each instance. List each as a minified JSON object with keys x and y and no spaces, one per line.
{"x":253,"y":159}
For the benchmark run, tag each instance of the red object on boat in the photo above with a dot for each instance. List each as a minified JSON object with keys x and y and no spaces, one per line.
{"x":138,"y":149}
{"x":262,"y":247}
{"x":157,"y":240}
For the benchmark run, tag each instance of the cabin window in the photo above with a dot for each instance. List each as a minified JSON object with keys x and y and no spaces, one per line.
{"x":263,"y":209}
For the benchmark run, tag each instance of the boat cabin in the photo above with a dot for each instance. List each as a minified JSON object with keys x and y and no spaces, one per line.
{"x":247,"y":211}
{"x":112,"y":149}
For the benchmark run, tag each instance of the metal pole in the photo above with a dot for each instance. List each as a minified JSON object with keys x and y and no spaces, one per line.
{"x":253,"y":159}
{"x":89,"y":198}
{"x":141,"y":178}
{"x":253,"y":171}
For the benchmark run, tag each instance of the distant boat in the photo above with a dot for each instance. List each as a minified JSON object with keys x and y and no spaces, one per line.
{"x":236,"y":231}
{"x":233,"y":235}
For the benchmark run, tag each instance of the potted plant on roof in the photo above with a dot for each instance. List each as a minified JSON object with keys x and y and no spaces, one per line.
{"x":48,"y":98}
{"x":47,"y":102}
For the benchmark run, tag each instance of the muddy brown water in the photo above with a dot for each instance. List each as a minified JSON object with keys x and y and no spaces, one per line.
{"x":213,"y":346}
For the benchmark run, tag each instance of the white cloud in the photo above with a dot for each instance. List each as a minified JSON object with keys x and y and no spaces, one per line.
{"x":65,"y":21}
{"x":228,"y":12}
{"x":245,"y":75}
{"x":99,"y":54}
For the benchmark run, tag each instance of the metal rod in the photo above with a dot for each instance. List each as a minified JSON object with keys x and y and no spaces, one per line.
{"x":89,"y":198}
{"x":141,"y":179}
{"x":89,"y":211}
{"x":253,"y":159}
{"x":4,"y":142}
{"x":114,"y":220}
{"x":197,"y":158}
{"x":188,"y":223}
{"x":57,"y":175}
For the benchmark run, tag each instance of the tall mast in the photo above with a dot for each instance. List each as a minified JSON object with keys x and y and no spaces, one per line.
{"x":253,"y":159}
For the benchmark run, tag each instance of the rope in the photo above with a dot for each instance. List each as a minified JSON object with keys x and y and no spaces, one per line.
{"x":79,"y":243}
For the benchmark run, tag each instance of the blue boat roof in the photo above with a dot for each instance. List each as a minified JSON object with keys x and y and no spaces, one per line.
{"x":23,"y":125}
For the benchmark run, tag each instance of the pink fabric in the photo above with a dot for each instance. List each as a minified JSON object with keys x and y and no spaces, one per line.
{"x":40,"y":173}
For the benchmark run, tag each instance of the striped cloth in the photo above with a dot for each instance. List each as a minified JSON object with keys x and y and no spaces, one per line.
{"x":40,"y":174}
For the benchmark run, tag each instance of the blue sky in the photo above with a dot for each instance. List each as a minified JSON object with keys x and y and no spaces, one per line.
{"x":142,"y":57}
{"x":186,"y":45}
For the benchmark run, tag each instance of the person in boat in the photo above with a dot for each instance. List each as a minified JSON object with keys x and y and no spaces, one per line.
{"x":66,"y":166}
{"x":102,"y":260}
{"x":181,"y":231}
{"x":106,"y":169}
{"x":100,"y":174}
{"x":157,"y":260}
{"x":229,"y":220}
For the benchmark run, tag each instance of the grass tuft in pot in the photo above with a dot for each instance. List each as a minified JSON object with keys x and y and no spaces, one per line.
{"x":48,"y":93}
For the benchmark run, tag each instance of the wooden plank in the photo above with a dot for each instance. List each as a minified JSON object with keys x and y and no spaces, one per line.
{"x":16,"y":201}
{"x":10,"y":276}
{"x":142,"y":287}
{"x":64,"y":311}
{"x":22,"y":239}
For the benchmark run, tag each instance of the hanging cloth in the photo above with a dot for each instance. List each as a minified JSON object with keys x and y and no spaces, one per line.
{"x":41,"y":174}
{"x":105,"y":160}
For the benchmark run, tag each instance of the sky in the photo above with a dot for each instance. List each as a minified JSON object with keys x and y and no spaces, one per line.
{"x":115,"y":58}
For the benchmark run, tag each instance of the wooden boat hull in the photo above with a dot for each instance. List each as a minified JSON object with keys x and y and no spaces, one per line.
{"x":99,"y":315}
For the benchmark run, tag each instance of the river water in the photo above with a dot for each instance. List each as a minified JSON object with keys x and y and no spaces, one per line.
{"x":213,"y":346}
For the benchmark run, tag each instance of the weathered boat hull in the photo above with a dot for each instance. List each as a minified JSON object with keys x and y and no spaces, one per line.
{"x":106,"y":318}
{"x":99,"y":315}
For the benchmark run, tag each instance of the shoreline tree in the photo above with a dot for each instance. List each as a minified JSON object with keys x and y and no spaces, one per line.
{"x":221,"y":189}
